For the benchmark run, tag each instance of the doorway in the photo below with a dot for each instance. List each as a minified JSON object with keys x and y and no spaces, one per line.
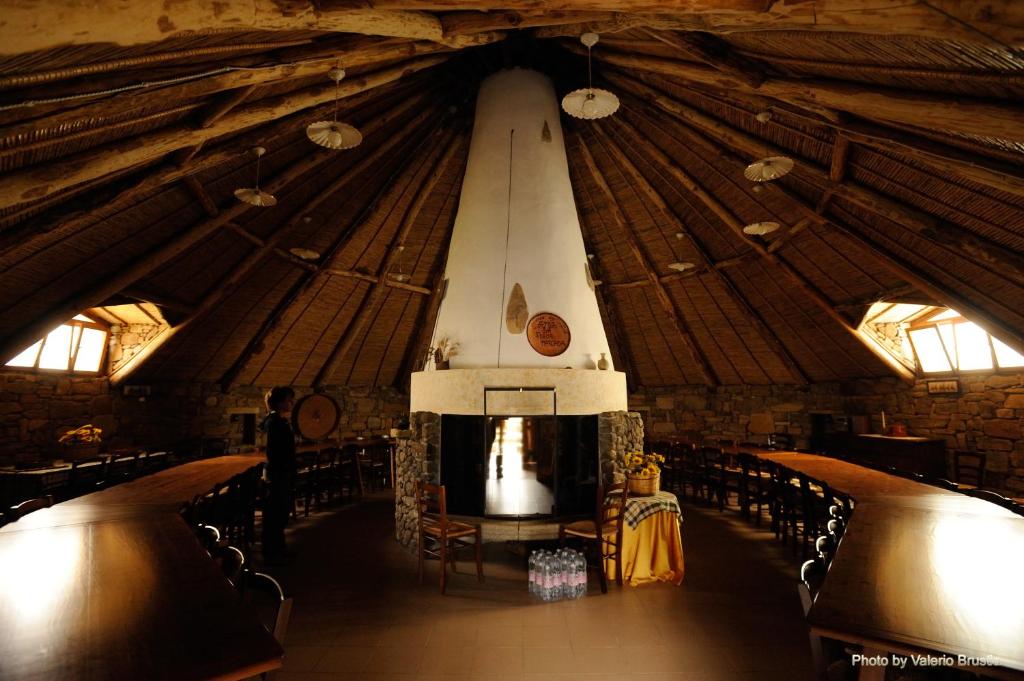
{"x":520,"y":465}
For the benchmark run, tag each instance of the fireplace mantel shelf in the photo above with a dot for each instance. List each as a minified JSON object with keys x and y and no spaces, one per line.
{"x":461,"y":391}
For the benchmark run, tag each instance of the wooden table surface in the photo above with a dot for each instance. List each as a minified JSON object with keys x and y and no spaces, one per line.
{"x":921,"y":569}
{"x":115,"y":586}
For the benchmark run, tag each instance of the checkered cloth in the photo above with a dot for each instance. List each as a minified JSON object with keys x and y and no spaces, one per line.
{"x":639,"y":508}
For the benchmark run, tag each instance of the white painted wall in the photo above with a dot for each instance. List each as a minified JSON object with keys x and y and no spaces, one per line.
{"x":544,"y":248}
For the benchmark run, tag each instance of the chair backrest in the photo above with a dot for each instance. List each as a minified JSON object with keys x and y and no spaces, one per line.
{"x":26,"y":507}
{"x":431,"y":503}
{"x":611,"y":502}
{"x":274,"y":609}
{"x":231,"y":561}
{"x":88,"y":473}
{"x":969,"y":467}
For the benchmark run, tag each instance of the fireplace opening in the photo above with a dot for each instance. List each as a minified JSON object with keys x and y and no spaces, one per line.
{"x":519,"y":467}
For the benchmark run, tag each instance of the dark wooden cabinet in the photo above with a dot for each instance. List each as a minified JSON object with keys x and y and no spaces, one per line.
{"x":911,"y":454}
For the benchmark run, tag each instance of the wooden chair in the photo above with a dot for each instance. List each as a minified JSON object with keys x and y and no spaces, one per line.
{"x":265,"y":595}
{"x":604,"y":531}
{"x":755,"y":486}
{"x":969,"y":468}
{"x":24,"y":508}
{"x":87,"y":475}
{"x":440,"y":537}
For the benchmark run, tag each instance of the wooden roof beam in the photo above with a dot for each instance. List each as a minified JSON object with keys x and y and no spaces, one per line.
{"x":998,"y":23}
{"x":965,"y":115}
{"x":755,"y":319}
{"x":374,"y":296}
{"x":749,"y":145}
{"x":713,"y":52}
{"x":140,"y":267}
{"x":471,"y":22}
{"x":675,"y":317}
{"x":36,"y":182}
{"x":914,"y":219}
{"x":39,"y":235}
{"x":736,"y":227}
{"x":285,"y":304}
{"x":120,"y":23}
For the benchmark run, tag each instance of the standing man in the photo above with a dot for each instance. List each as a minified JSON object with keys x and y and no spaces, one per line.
{"x":281,"y":469}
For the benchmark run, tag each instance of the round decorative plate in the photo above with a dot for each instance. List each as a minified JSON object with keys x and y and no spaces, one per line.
{"x":316,"y":416}
{"x":548,"y":334}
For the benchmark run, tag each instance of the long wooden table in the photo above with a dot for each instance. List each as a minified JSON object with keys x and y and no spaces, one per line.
{"x":113,"y":585}
{"x":920,"y":571}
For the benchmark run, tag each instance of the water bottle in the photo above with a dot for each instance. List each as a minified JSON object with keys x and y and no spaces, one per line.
{"x":533,"y":572}
{"x":565,"y":567}
{"x":581,"y":575}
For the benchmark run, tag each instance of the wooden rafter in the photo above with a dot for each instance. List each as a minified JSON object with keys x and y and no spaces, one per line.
{"x":965,"y":115}
{"x":915,"y":220}
{"x":714,"y":53}
{"x":898,"y":266}
{"x":765,"y":332}
{"x":374,"y":296}
{"x":661,"y":293}
{"x":110,"y":21}
{"x":34,"y":183}
{"x":735,"y":225}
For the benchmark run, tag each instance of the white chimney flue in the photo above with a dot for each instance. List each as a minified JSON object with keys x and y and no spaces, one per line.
{"x":517,"y":238}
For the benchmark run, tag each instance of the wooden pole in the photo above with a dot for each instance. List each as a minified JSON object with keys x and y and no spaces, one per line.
{"x":965,"y":115}
{"x":142,"y":266}
{"x":265,"y":247}
{"x":368,"y":308}
{"x":660,"y":292}
{"x":712,"y":52}
{"x":639,"y":181}
{"x":33,"y":237}
{"x":921,"y":223}
{"x":736,"y":227}
{"x":36,"y":182}
{"x":899,"y":267}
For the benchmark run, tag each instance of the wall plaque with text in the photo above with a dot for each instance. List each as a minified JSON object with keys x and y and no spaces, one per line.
{"x":548,"y":334}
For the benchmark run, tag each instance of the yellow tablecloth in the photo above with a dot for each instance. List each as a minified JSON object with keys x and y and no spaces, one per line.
{"x":653,"y":552}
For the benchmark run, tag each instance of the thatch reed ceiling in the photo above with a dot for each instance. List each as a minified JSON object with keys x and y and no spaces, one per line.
{"x":124,"y":130}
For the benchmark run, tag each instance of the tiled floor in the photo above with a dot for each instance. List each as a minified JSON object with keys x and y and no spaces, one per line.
{"x":360,"y":614}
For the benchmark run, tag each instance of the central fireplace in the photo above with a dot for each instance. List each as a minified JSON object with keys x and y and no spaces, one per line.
{"x":528,"y":417}
{"x":519,"y":466}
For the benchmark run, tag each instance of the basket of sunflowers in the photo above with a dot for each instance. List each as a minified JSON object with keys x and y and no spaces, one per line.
{"x":81,"y":442}
{"x":643,"y":473}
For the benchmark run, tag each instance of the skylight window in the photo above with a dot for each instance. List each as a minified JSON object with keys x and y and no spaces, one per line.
{"x":935,"y":340}
{"x":77,"y":345}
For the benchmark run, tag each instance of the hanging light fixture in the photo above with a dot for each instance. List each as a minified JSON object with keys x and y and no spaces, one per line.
{"x":253,"y":195}
{"x":770,"y":167}
{"x":304,"y":253}
{"x":332,"y":134}
{"x":760,"y":228}
{"x":400,"y":276}
{"x":590,"y":103}
{"x":681,"y":266}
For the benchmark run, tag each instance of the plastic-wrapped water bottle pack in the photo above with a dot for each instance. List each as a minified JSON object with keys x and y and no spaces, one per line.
{"x":558,"y":575}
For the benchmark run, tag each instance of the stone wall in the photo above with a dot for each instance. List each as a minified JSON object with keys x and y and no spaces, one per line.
{"x":740,"y":412}
{"x":128,"y":340}
{"x":987,"y":414}
{"x":417,"y":457}
{"x":36,"y":407}
{"x":618,"y":432}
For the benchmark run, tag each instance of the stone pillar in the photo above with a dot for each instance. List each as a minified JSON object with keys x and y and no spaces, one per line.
{"x":618,"y":432}
{"x":417,"y":457}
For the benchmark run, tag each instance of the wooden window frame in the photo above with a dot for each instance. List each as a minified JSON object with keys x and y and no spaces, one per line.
{"x":73,"y":356}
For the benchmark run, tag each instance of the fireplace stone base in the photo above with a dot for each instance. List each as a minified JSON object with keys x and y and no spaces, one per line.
{"x":417,"y":457}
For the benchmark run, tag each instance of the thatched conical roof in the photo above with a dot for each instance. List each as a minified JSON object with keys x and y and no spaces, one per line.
{"x":124,"y":133}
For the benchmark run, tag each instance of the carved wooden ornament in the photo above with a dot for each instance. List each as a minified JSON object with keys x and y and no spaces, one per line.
{"x":516,"y":312}
{"x":548,"y":334}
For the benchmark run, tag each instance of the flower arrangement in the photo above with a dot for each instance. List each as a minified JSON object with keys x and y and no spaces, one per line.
{"x":83,"y":435}
{"x":443,"y":350}
{"x":643,"y":464}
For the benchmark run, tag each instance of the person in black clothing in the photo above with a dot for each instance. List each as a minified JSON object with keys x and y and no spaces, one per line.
{"x":281,"y":471}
